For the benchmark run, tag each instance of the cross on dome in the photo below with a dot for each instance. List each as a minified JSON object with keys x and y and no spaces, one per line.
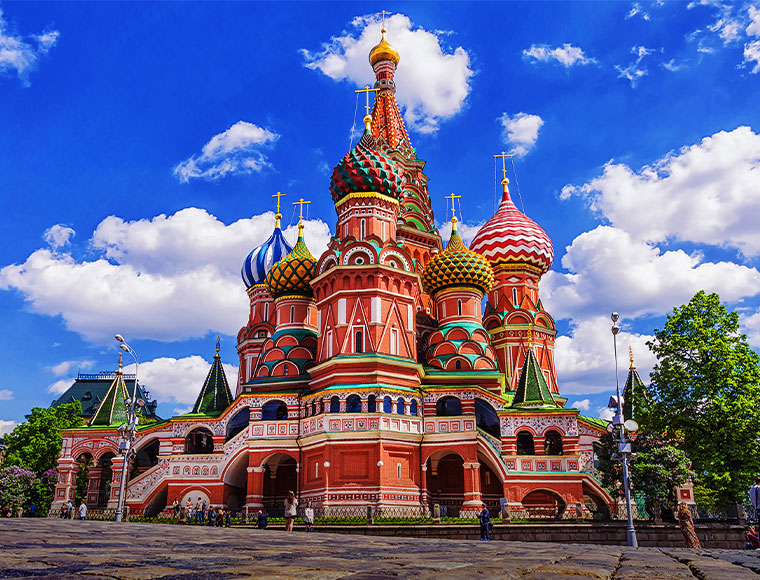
{"x":278,"y":215}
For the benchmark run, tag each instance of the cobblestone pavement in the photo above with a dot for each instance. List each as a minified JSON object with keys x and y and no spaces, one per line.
{"x":57,"y":549}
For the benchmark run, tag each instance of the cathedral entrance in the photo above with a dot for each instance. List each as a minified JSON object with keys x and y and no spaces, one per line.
{"x":236,"y":482}
{"x":280,"y":477}
{"x":543,"y":505}
{"x":445,"y":482}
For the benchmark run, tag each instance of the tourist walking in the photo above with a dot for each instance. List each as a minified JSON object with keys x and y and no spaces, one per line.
{"x":291,"y":504}
{"x":198,"y":505}
{"x":485,"y":525}
{"x":227,"y":518}
{"x":175,"y":507}
{"x":82,"y":510}
{"x":261,"y":520}
{"x":70,"y":510}
{"x":754,"y":497}
{"x":308,"y":517}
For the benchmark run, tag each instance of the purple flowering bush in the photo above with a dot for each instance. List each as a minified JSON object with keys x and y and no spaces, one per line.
{"x":16,"y":485}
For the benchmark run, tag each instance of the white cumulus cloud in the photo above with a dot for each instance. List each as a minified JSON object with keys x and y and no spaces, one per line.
{"x":752,"y":55}
{"x":237,"y":150}
{"x":6,"y":395}
{"x":58,"y":235}
{"x":178,"y":380}
{"x":432,"y":83}
{"x":582,"y":405}
{"x":567,"y":54}
{"x":19,"y":54}
{"x":605,"y":413}
{"x":634,"y":71}
{"x":64,"y":367}
{"x":60,"y":386}
{"x":520,"y":132}
{"x":168,"y":278}
{"x":609,"y":268}
{"x":704,"y":193}
{"x":7,"y":426}
{"x":753,"y":28}
{"x":751,"y":326}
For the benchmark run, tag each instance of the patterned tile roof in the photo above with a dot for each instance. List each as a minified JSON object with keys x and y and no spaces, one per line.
{"x":261,"y":259}
{"x":532,"y":390}
{"x":364,"y":169}
{"x":457,"y":266}
{"x":215,"y":395}
{"x":294,"y":273}
{"x":113,"y":410}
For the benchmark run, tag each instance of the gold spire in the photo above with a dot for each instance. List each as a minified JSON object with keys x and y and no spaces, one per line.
{"x":300,"y":203}
{"x":217,"y":338}
{"x":278,"y":215}
{"x":504,"y":181}
{"x":367,"y":119}
{"x":530,"y":336}
{"x":630,"y":355}
{"x":384,"y":50}
{"x":454,"y":220}
{"x":118,"y":371}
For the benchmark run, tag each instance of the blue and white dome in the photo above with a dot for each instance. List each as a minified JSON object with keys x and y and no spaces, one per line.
{"x":261,"y":259}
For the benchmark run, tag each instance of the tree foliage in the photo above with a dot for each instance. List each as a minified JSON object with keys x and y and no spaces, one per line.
{"x":705,"y":390}
{"x":36,"y":443}
{"x":16,"y":485}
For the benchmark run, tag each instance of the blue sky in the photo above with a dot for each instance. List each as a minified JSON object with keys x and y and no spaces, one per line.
{"x":141,"y":144}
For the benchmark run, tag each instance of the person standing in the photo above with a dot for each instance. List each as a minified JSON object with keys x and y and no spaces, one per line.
{"x":198,"y":506}
{"x":754,"y":497}
{"x":189,"y":511}
{"x":82,"y":510}
{"x":70,"y":510}
{"x":308,"y":517}
{"x":485,"y":525}
{"x":175,"y":507}
{"x":32,"y":510}
{"x":291,"y":505}
{"x":261,"y":520}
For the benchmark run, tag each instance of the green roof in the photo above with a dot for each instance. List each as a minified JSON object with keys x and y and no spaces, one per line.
{"x":90,"y":389}
{"x":113,"y":410}
{"x":634,"y":393}
{"x":215,"y":396}
{"x":532,"y":390}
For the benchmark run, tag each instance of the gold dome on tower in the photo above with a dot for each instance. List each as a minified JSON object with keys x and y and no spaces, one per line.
{"x":383,"y":51}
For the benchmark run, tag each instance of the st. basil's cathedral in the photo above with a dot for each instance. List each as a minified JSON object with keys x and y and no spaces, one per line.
{"x":372,"y":374}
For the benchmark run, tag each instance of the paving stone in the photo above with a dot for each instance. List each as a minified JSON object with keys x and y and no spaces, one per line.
{"x":661,"y":573}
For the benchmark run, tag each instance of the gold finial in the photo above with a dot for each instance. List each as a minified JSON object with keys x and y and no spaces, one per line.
{"x":503,"y":155}
{"x":530,"y":336}
{"x":367,"y":119}
{"x":383,"y":14}
{"x":300,"y":203}
{"x":278,"y":215}
{"x":454,"y":220}
{"x":118,"y":371}
{"x":630,"y":355}
{"x":217,"y":345}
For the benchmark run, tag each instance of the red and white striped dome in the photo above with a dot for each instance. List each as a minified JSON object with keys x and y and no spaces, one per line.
{"x":511,"y":237}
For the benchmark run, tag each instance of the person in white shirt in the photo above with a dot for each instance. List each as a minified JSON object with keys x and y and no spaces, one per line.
{"x":291,"y":504}
{"x":82,"y":510}
{"x":308,"y":517}
{"x":754,"y":497}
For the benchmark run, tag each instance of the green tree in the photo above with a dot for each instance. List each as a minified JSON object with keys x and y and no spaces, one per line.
{"x":705,"y":390}
{"x":36,"y":443}
{"x":16,"y":485}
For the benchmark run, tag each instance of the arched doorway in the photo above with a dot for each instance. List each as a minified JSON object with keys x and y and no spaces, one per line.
{"x":448,"y":407}
{"x":238,"y":423}
{"x":147,"y":457}
{"x":84,"y":463}
{"x":491,"y":486}
{"x":199,"y":442}
{"x":236,"y":482}
{"x":542,"y":504}
{"x":525,"y":445}
{"x":105,"y":479}
{"x":486,"y":418}
{"x":274,"y":410}
{"x":280,"y":477}
{"x":595,"y":504}
{"x":445,"y":482}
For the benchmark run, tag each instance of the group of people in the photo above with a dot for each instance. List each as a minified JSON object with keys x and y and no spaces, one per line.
{"x":18,"y":512}
{"x":291,"y":511}
{"x":201,"y":514}
{"x":69,"y":512}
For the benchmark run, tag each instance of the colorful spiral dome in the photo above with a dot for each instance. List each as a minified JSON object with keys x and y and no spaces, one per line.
{"x":365,"y":169}
{"x":511,"y":237}
{"x":292,"y":274}
{"x":261,"y":259}
{"x":457,"y":266}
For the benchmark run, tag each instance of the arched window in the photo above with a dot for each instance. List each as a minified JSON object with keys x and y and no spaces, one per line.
{"x":448,"y":407}
{"x":458,"y":365}
{"x":335,"y":405}
{"x":353,"y":404}
{"x":358,"y":341}
{"x":266,"y":311}
{"x":239,"y":422}
{"x":514,"y":296}
{"x":459,"y":307}
{"x":372,"y":404}
{"x":387,"y":405}
{"x":553,"y":443}
{"x":400,"y":406}
{"x":274,"y":410}
{"x":199,"y":441}
{"x":285,"y":370}
{"x":319,"y":406}
{"x":313,"y":408}
{"x":292,"y":314}
{"x":363,"y":227}
{"x":413,"y":409}
{"x":525,"y":443}
{"x":486,"y":418}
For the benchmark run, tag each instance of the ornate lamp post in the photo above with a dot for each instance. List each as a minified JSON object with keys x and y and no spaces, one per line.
{"x":128,"y":430}
{"x":618,"y":430}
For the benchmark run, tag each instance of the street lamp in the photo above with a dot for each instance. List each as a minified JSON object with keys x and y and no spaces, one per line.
{"x":618,"y":430}
{"x":128,"y":429}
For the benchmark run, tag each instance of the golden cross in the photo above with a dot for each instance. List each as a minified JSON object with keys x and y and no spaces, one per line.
{"x":367,"y":91}
{"x":504,"y":156}
{"x":452,"y":197}
{"x":383,"y":13}
{"x":278,"y":195}
{"x":300,"y":203}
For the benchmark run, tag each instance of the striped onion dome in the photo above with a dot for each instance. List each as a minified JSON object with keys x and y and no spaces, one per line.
{"x":365,"y":169}
{"x":511,"y":237}
{"x":293,"y":274}
{"x":261,"y":259}
{"x":457,"y":266}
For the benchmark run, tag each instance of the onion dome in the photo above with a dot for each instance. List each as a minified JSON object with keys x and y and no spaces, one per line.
{"x":261,"y":259}
{"x":365,"y":169}
{"x":383,"y":51}
{"x":457,"y":266}
{"x":511,"y":237}
{"x":292,"y":275}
